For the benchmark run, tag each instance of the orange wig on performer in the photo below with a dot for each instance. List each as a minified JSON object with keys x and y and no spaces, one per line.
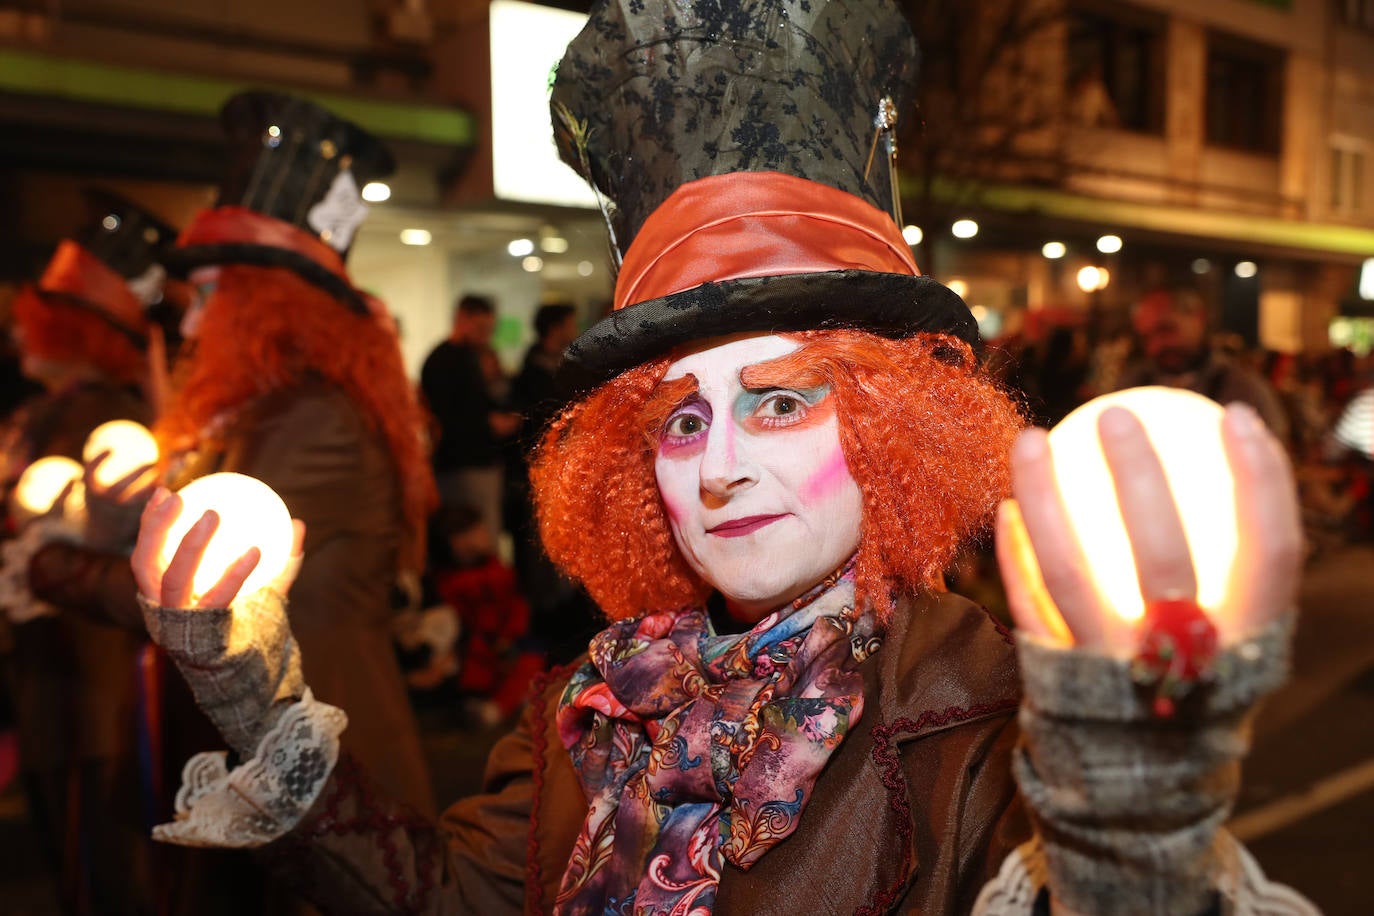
{"x":271,"y":329}
{"x":63,"y":332}
{"x":925,"y":432}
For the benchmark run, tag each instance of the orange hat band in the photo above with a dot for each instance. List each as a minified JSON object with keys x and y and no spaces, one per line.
{"x":78,"y":275}
{"x":756,"y":224}
{"x":242,"y":226}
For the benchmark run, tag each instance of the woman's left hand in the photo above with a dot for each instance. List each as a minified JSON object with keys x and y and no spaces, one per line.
{"x":1049,"y":589}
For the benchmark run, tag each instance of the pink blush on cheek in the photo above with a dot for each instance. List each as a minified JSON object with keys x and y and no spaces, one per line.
{"x":830,"y":477}
{"x":673,"y":509}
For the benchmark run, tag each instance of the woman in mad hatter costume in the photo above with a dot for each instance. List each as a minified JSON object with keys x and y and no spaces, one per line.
{"x":783,"y":437}
{"x":82,"y":332}
{"x":293,"y":376}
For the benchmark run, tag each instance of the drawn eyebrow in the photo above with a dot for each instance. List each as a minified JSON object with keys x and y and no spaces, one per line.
{"x":664,"y":400}
{"x":796,"y":371}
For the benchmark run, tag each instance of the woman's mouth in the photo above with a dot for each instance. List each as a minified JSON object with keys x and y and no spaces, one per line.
{"x":739,"y":527}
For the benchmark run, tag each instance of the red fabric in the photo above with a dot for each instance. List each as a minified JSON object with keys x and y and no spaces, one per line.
{"x":756,"y":224}
{"x":74,"y":271}
{"x":239,"y":225}
{"x":495,"y":615}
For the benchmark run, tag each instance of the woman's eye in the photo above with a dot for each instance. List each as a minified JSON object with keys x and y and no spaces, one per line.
{"x":687,"y":424}
{"x":782,"y":406}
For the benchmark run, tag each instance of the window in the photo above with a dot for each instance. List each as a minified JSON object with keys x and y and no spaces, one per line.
{"x":1347,"y":176}
{"x":1116,"y":68}
{"x":1244,"y":95}
{"x":1356,"y":13}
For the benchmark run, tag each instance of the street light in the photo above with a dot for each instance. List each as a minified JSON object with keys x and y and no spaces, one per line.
{"x":1092,"y":279}
{"x":912,"y":235}
{"x":1054,"y":250}
{"x":1247,"y":270}
{"x":1109,"y":244}
{"x":964,"y":229}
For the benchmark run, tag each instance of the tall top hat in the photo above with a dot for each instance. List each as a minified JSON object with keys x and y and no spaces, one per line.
{"x":290,"y":196}
{"x":111,"y":268}
{"x":735,"y":143}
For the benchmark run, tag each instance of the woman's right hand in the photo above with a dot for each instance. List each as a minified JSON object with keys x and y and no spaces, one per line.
{"x":170,"y":584}
{"x":113,"y":510}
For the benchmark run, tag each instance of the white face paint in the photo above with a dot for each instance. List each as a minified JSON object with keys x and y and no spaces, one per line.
{"x":758,"y":494}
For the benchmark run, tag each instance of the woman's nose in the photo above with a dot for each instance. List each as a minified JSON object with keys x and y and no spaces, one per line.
{"x":726,"y":465}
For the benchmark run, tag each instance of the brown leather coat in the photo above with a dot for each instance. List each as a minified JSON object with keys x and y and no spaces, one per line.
{"x":314,"y":447}
{"x":73,"y":678}
{"x":914,"y":813}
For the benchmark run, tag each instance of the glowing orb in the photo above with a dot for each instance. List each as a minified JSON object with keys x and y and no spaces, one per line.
{"x":1185,"y":430}
{"x":41,"y":483}
{"x":130,"y":444}
{"x":251,"y":514}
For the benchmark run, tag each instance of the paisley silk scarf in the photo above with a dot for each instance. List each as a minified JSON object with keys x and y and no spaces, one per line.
{"x":693,"y":746}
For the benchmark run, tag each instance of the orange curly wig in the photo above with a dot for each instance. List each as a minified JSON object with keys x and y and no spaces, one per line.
{"x":925,"y":432}
{"x":57,"y":330}
{"x":271,"y":328}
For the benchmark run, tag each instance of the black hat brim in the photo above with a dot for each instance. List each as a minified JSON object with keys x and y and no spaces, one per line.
{"x":182,"y":261}
{"x":887,"y":304}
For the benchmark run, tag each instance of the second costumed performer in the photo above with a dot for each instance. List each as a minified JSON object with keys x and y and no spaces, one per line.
{"x":291,"y":375}
{"x":783,"y":439}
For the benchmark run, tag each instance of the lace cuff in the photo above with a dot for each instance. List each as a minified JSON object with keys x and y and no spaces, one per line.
{"x":264,"y":798}
{"x":1239,"y":882}
{"x":16,"y":597}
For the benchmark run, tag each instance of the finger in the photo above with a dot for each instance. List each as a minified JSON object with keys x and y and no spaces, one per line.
{"x":1164,"y":567}
{"x":282,"y":583}
{"x":93,"y":468}
{"x":1063,"y":567}
{"x":223,"y":592}
{"x":178,"y":579}
{"x":125,"y":486}
{"x":158,"y":517}
{"x":60,"y":503}
{"x":297,"y":537}
{"x":1264,"y":578}
{"x":1032,"y":609}
{"x":159,"y":498}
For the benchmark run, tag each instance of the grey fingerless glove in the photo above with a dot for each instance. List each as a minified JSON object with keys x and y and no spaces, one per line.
{"x":1127,"y":805}
{"x":242,"y":664}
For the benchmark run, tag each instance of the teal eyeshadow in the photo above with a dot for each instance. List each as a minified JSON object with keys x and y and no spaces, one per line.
{"x":749,"y":401}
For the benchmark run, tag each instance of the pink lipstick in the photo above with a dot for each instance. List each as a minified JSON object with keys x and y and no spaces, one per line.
{"x":739,"y":527}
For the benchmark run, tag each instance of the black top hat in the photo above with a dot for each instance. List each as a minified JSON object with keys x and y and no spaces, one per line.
{"x":737,"y":144}
{"x":111,"y":267}
{"x":291,"y":193}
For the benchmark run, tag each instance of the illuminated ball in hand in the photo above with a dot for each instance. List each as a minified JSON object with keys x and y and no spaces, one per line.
{"x":1185,"y":430}
{"x":130,"y":445}
{"x":251,"y":514}
{"x":41,"y":483}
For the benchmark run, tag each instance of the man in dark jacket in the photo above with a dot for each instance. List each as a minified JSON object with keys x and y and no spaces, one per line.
{"x":457,"y":383}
